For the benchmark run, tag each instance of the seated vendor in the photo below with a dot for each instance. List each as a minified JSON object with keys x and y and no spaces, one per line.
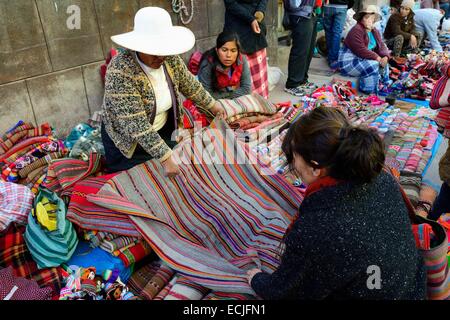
{"x":400,"y":34}
{"x":224,"y":71}
{"x":142,"y":102}
{"x":364,"y":54}
{"x":352,"y":223}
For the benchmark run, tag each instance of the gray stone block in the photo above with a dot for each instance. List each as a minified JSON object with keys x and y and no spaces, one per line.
{"x":114,"y":17}
{"x":14,"y":105}
{"x":216,"y":16}
{"x":59,"y":99}
{"x":70,"y":47}
{"x":272,"y":39}
{"x":23,"y":51}
{"x":167,"y":5}
{"x":271,"y":13}
{"x":94,"y":86}
{"x":199,"y":24}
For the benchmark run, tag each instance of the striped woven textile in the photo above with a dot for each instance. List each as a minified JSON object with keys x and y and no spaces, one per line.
{"x":251,"y":104}
{"x":165,"y":291}
{"x":133,"y":253}
{"x":90,"y":216}
{"x":443,"y":121}
{"x":65,"y":173}
{"x":440,"y":96}
{"x":184,"y":289}
{"x":22,"y":132}
{"x":42,"y":162}
{"x":118,"y":243}
{"x":213,"y":221}
{"x":215,"y":295}
{"x":148,"y":281}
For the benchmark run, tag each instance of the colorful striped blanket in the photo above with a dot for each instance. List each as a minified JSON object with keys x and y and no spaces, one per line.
{"x":214,"y":221}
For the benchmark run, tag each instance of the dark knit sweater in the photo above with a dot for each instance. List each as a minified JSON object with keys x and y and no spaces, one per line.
{"x":239,"y":15}
{"x":340,"y":232}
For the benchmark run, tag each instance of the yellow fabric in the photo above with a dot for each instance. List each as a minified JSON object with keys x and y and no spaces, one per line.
{"x":45,"y":216}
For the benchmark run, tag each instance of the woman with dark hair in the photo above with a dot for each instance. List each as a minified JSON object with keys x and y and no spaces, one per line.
{"x":364,"y":54}
{"x":247,"y":19}
{"x":352,"y":238}
{"x":224,"y":71}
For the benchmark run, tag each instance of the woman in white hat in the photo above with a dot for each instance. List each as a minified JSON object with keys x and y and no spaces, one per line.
{"x":364,"y":53}
{"x":400,"y":33}
{"x":143,"y":87}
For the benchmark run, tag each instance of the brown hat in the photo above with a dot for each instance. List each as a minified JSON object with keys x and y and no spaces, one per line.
{"x":367,"y":9}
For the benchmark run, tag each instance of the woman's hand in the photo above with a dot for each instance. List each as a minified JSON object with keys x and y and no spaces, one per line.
{"x":384,"y":61}
{"x":218,"y":110}
{"x":251,"y":273}
{"x":255,"y":26}
{"x":171,"y":169}
{"x":413,"y":42}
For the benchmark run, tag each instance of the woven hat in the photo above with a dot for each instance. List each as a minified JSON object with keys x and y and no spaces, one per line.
{"x":154,"y":34}
{"x":368,"y":9}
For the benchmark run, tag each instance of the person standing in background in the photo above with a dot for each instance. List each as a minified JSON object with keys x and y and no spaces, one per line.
{"x":303,"y":23}
{"x":246,"y":19}
{"x":334,"y":15}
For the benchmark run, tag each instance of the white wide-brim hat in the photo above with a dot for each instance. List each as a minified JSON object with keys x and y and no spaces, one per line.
{"x":154,"y":34}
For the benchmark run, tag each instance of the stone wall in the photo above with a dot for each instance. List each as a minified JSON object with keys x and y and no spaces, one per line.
{"x":50,"y":73}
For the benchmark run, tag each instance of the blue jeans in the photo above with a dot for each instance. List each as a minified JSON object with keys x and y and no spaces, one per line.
{"x":333,"y":23}
{"x":446,"y":8}
{"x":304,"y":32}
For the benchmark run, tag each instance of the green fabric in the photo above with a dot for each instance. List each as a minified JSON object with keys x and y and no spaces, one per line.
{"x":50,"y":248}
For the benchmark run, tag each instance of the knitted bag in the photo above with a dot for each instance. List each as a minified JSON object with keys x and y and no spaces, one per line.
{"x":440,"y":96}
{"x":50,"y":248}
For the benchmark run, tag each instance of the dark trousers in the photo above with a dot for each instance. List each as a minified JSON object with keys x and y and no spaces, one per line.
{"x":304,"y":32}
{"x":442,"y":203}
{"x":116,"y":161}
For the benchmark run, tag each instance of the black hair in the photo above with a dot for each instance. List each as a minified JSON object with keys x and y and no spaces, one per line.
{"x":222,"y":38}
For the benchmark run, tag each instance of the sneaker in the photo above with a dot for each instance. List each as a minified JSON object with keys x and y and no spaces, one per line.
{"x":308,"y":85}
{"x":297,"y":91}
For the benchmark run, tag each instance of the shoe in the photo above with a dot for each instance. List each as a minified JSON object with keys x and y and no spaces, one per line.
{"x":297,"y":91}
{"x":308,"y":85}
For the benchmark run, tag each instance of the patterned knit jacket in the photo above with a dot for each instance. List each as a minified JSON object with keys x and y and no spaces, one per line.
{"x":343,"y":233}
{"x":129,"y":104}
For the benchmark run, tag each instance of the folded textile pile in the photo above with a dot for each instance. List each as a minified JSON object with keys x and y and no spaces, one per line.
{"x":415,"y":76}
{"x":213,"y":221}
{"x":26,"y":152}
{"x":129,"y":249}
{"x":64,"y":173}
